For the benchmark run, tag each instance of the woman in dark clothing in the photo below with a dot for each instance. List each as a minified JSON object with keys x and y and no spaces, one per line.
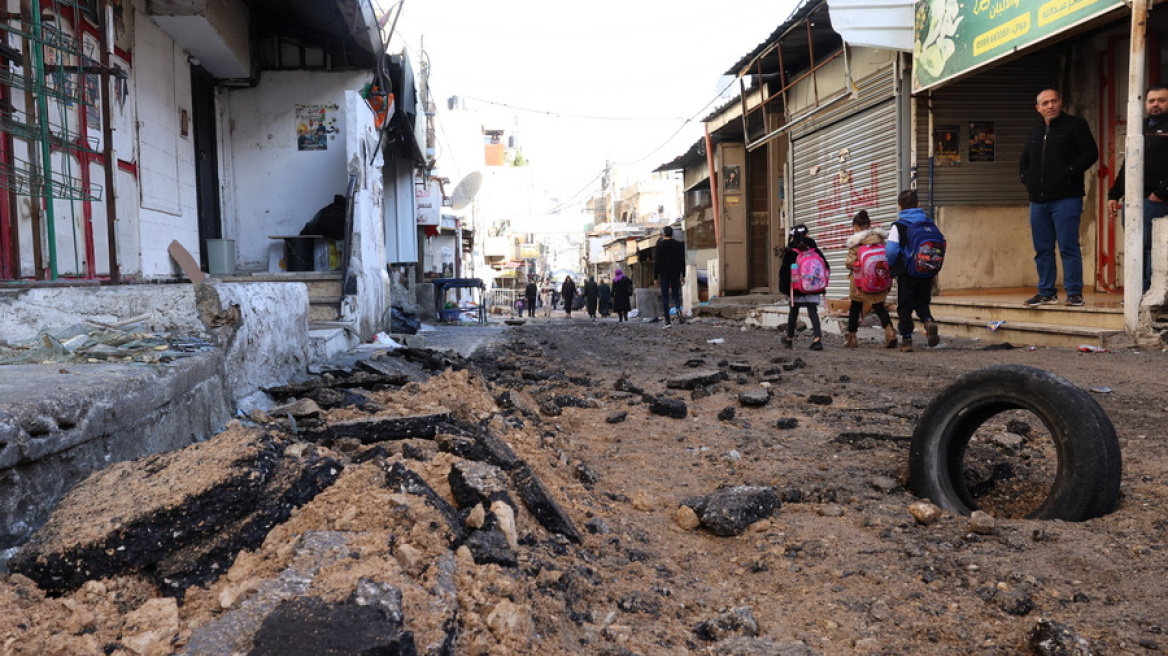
{"x":591,"y":296}
{"x":568,"y":293}
{"x":605,"y":293}
{"x":622,"y":290}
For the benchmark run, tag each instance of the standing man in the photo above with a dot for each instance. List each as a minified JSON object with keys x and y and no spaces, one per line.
{"x":1056,"y":155}
{"x":1155,"y":171}
{"x":668,"y":267}
{"x":529,"y":293}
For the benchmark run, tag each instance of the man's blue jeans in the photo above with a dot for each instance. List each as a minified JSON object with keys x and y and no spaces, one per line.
{"x":1152,"y":210}
{"x":1056,"y":223}
{"x":670,"y":285}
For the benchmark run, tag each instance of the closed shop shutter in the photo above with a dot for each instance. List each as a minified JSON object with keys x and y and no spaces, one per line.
{"x":843,"y":165}
{"x":1002,"y":98}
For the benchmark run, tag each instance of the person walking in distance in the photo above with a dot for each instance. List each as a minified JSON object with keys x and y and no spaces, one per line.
{"x":914,"y":291}
{"x":668,"y":267}
{"x":803,"y":288}
{"x":530,"y":292}
{"x":591,"y":296}
{"x":1056,"y":155}
{"x":568,"y":293}
{"x":1155,"y":171}
{"x":868,"y":267}
{"x":604,"y":291}
{"x":622,"y":290}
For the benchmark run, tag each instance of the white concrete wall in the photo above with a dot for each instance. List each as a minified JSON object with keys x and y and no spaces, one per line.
{"x":275,"y":187}
{"x":367,"y":265}
{"x":168,"y":209}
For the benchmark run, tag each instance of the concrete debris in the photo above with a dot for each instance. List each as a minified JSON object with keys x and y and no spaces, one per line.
{"x":103,"y":343}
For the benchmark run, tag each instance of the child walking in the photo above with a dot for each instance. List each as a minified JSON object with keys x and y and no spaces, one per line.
{"x":863,"y":234}
{"x":798,"y":242}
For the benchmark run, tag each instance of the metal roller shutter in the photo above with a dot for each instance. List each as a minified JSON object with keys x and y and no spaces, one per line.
{"x":843,"y":165}
{"x":1003,"y":96}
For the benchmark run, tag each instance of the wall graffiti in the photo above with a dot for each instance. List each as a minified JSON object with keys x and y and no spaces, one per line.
{"x":836,"y":209}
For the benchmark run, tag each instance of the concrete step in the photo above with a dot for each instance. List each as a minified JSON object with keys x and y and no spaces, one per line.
{"x":327,"y":339}
{"x":1109,"y":318}
{"x":1024,"y":333}
{"x":326,"y":308}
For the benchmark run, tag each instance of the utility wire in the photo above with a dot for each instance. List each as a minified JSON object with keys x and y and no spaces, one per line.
{"x":549,"y":112}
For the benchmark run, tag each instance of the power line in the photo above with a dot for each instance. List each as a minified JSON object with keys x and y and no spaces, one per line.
{"x":548,"y":112}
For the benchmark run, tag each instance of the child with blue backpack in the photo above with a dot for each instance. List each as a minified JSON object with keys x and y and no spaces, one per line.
{"x":803,"y":278}
{"x":871,"y":278}
{"x":916,"y":250}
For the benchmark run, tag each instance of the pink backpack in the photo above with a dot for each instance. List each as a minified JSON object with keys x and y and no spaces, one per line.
{"x":809,"y":273}
{"x":872,"y":273}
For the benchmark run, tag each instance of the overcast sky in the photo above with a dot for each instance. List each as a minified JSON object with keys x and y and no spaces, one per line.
{"x":588,"y":82}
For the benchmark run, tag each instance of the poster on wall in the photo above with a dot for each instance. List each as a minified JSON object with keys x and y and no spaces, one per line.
{"x":981,"y":141}
{"x":945,"y":146}
{"x":315,"y":125}
{"x":732,"y":175}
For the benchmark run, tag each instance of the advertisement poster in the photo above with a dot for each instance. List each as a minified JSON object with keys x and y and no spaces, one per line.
{"x":981,"y":141}
{"x":945,"y":145}
{"x":315,"y":125}
{"x":732,"y":177}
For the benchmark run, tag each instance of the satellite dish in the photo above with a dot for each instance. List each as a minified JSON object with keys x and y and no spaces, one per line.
{"x":465,"y":192}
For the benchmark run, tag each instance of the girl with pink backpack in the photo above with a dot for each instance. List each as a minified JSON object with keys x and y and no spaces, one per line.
{"x":870,"y":276}
{"x":803,"y":278}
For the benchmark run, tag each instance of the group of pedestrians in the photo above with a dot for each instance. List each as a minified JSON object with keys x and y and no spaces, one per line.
{"x":914,"y":292}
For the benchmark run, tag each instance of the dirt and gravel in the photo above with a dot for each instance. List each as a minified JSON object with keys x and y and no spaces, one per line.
{"x":836,"y":555}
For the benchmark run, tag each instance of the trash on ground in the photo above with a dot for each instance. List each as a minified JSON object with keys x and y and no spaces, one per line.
{"x":1088,"y":348}
{"x":1101,"y":390}
{"x":99,"y":342}
{"x":716,"y":340}
{"x":994,"y":325}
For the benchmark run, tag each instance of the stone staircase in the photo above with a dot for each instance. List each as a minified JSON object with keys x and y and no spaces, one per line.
{"x":1098,"y":323}
{"x":327,"y":334}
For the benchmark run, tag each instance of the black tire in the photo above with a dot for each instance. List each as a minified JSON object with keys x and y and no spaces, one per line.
{"x":1086,"y":484}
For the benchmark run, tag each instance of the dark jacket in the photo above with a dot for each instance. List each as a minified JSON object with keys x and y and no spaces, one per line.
{"x":1055,"y":158}
{"x":669,"y":258}
{"x":568,"y":291}
{"x":531,"y":291}
{"x":621,"y":291}
{"x":789,"y":256}
{"x":1155,"y":161}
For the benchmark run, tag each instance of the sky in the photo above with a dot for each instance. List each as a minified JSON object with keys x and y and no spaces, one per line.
{"x":585,"y":83}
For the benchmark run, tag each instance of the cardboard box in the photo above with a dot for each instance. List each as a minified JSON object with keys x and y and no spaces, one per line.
{"x":327,"y":254}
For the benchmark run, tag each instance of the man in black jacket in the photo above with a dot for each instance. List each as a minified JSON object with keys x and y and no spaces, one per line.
{"x":1155,"y":171}
{"x":1056,"y":155}
{"x":668,"y":267}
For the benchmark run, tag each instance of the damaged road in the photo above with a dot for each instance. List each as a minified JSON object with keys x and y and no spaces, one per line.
{"x":592,"y":488}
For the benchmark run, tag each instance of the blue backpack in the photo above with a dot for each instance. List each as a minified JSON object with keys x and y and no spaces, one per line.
{"x":923,"y":248}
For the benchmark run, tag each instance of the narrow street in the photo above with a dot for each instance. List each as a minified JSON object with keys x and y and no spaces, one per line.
{"x":628,"y":430}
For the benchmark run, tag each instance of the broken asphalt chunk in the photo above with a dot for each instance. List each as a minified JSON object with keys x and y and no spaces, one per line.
{"x":667,"y":407}
{"x":380,"y":429}
{"x":696,"y":379}
{"x":541,"y":505}
{"x":729,"y":511}
{"x":133,"y":514}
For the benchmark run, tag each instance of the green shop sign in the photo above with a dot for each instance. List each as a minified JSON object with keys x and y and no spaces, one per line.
{"x":956,"y":36}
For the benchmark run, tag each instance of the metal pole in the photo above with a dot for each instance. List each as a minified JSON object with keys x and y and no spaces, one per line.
{"x":108,"y":37}
{"x":1133,"y":161}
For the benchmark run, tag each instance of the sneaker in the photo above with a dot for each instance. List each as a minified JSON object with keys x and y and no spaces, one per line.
{"x":667,"y":325}
{"x":906,"y":345}
{"x":816,"y":344}
{"x":788,"y":342}
{"x":1039,"y":299}
{"x":1075,"y":299}
{"x":931,"y":331}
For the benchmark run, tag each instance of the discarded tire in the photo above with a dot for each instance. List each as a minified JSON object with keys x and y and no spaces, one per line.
{"x":1086,"y":484}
